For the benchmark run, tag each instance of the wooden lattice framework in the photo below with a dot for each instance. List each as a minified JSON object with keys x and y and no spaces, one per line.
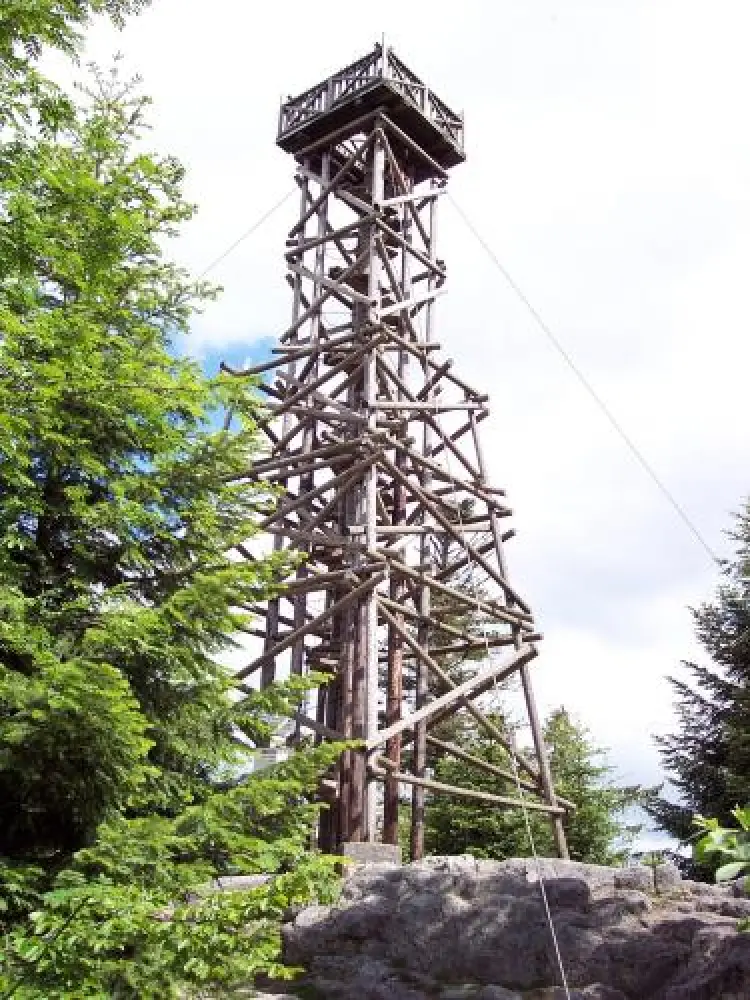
{"x":375,"y":441}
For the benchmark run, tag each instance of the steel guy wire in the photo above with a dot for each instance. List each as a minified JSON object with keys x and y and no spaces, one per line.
{"x":584,"y":381}
{"x":248,"y":232}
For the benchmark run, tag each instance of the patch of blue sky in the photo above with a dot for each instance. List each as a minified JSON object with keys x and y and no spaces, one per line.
{"x":236,"y":354}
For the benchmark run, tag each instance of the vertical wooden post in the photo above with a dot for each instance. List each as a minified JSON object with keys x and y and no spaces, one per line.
{"x":308,"y":435}
{"x":394,"y":700}
{"x":333,"y":698}
{"x":268,"y":671}
{"x":425,"y":598}
{"x":395,"y":680}
{"x":545,"y":774}
{"x":370,"y":631}
{"x":346,"y":724}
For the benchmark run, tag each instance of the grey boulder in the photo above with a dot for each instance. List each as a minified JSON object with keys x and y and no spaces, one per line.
{"x":464,"y":929}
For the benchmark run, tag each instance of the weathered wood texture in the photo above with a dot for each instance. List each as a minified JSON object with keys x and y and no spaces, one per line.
{"x":374,"y":443}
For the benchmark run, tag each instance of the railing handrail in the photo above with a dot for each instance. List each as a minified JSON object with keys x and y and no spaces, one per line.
{"x":370,"y":57}
{"x":393,"y":60}
{"x":300,"y":98}
{"x":444,"y":110}
{"x":376,"y":65}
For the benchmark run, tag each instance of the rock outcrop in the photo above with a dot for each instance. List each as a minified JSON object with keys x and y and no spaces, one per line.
{"x":463,"y":929}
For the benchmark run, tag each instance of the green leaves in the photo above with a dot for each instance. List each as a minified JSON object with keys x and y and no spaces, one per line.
{"x":126,"y":783}
{"x":136,"y":914}
{"x":119,"y":498}
{"x":28,"y":100}
{"x":724,"y":844}
{"x":26,"y":26}
{"x":732,"y":870}
{"x":114,"y":940}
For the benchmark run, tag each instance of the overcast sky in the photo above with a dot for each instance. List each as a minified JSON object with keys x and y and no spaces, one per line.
{"x":608,"y":166}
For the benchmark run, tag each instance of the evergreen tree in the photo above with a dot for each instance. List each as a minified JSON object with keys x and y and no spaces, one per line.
{"x":118,"y":498}
{"x":122,"y":745}
{"x":708,"y":758}
{"x":597,"y":832}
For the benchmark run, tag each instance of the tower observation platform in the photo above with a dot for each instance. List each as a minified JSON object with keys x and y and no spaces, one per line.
{"x":431,"y":132}
{"x":403,"y":599}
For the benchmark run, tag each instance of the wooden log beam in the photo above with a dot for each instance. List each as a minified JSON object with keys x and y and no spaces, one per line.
{"x":263,"y":466}
{"x":448,"y":682}
{"x":308,"y":468}
{"x":289,"y":640}
{"x":458,"y":484}
{"x":280,"y":443}
{"x":330,"y":484}
{"x":465,"y":600}
{"x":346,"y":294}
{"x":292,"y":353}
{"x":476,"y":646}
{"x":309,"y":388}
{"x":440,"y":788}
{"x":406,"y":189}
{"x":314,"y":537}
{"x":433,"y":380}
{"x":449,"y":441}
{"x":340,"y":133}
{"x":417,"y":350}
{"x":420,"y":196}
{"x":353,"y":361}
{"x":352,"y":475}
{"x":425,"y":407}
{"x":331,"y":235}
{"x":328,"y":188}
{"x":316,"y":304}
{"x":470,"y":688}
{"x":481,"y":765}
{"x":314,"y":581}
{"x":460,"y":563}
{"x":476,"y":556}
{"x":318,"y":727}
{"x":392,"y":236}
{"x":464,"y":649}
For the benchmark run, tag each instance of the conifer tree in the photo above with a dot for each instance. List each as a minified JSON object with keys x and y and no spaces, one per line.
{"x":597,"y":832}
{"x":123,"y":746}
{"x":708,"y":757}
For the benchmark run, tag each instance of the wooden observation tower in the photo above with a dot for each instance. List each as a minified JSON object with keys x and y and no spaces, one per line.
{"x":404,"y":598}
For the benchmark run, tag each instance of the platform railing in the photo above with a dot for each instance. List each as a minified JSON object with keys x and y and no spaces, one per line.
{"x":359,"y":75}
{"x":407,"y":82}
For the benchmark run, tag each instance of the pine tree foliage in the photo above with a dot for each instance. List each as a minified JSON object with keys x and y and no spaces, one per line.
{"x":118,"y":494}
{"x":598,"y":832}
{"x":708,"y":757}
{"x":124,"y":785}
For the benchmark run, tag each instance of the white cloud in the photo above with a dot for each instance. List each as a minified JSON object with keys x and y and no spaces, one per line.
{"x":609,"y":167}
